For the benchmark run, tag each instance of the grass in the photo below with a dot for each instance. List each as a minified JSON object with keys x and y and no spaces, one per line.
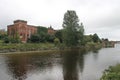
{"x":112,"y":73}
{"x":27,"y":46}
{"x":1,"y":41}
{"x":92,"y":46}
{"x":23,"y":47}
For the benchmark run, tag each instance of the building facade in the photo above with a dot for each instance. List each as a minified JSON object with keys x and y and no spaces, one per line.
{"x":51,"y":31}
{"x":21,"y":29}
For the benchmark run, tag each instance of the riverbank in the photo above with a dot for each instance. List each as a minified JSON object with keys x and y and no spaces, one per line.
{"x":112,"y":73}
{"x":41,"y":47}
{"x":6,"y":48}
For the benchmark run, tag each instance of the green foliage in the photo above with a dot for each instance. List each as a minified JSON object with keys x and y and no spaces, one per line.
{"x":35,"y":38}
{"x":50,"y":38}
{"x":42,"y":33}
{"x":72,"y":31}
{"x":88,"y":38}
{"x":42,"y":36}
{"x":112,"y":73}
{"x":41,"y":30}
{"x":106,"y":39}
{"x":91,"y":39}
{"x":92,"y":46}
{"x":96,"y":38}
{"x":2,"y":36}
{"x":6,"y":39}
{"x":27,"y":46}
{"x":1,"y":41}
{"x":56,"y":41}
{"x":58,"y":34}
{"x":14,"y":39}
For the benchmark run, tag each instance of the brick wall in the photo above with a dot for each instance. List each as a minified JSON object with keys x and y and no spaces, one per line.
{"x":21,"y":28}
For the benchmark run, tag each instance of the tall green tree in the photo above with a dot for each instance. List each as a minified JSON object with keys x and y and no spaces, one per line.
{"x":72,"y":31}
{"x":96,"y":38}
{"x":42,"y":33}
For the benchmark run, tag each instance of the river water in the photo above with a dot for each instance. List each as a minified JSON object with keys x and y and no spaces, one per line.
{"x":60,"y":65}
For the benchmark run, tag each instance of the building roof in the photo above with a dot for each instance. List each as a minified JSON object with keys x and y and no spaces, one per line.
{"x":20,"y":21}
{"x":10,"y":25}
{"x":31,"y":26}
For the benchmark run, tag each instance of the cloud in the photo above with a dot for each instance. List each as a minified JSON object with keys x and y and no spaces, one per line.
{"x":98,"y":16}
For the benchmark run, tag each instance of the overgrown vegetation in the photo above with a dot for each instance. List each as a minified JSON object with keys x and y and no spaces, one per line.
{"x":25,"y":47}
{"x":41,"y":36}
{"x":112,"y":73}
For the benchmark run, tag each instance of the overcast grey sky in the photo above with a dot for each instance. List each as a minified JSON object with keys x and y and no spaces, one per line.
{"x":98,"y":16}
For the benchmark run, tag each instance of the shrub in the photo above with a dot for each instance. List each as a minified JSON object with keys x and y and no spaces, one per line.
{"x":6,"y":40}
{"x":56,"y":41}
{"x":112,"y":73}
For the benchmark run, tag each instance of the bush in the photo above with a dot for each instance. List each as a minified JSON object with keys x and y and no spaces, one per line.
{"x":14,"y":40}
{"x":56,"y":41}
{"x":6,"y":40}
{"x":35,"y":38}
{"x":112,"y":73}
{"x":50,"y":38}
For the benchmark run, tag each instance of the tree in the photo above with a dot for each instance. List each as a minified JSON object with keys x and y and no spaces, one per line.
{"x":15,"y":38}
{"x":50,"y":38}
{"x":81,"y":34}
{"x":2,"y":36}
{"x":6,"y":39}
{"x":72,"y":31}
{"x":88,"y":38}
{"x":58,"y":35}
{"x":42,"y":33}
{"x":41,"y":30}
{"x":96,"y":38}
{"x":35,"y":38}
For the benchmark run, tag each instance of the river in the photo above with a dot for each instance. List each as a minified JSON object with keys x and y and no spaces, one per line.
{"x":61,"y":65}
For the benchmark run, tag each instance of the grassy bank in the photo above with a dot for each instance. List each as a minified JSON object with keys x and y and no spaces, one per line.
{"x":26,"y":47}
{"x":112,"y":73}
{"x":93,"y":46}
{"x":5,"y":48}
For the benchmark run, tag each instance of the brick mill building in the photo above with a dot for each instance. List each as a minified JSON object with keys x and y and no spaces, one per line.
{"x":51,"y":31}
{"x":21,"y":29}
{"x":24,"y":31}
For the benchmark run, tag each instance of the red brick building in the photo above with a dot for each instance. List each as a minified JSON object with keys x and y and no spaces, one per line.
{"x":21,"y":28}
{"x":51,"y":31}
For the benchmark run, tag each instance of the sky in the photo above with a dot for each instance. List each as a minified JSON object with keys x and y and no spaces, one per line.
{"x":98,"y":16}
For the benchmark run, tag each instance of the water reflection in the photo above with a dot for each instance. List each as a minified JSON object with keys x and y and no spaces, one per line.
{"x":81,"y":60}
{"x":17,"y":67}
{"x":20,"y":66}
{"x":73,"y":61}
